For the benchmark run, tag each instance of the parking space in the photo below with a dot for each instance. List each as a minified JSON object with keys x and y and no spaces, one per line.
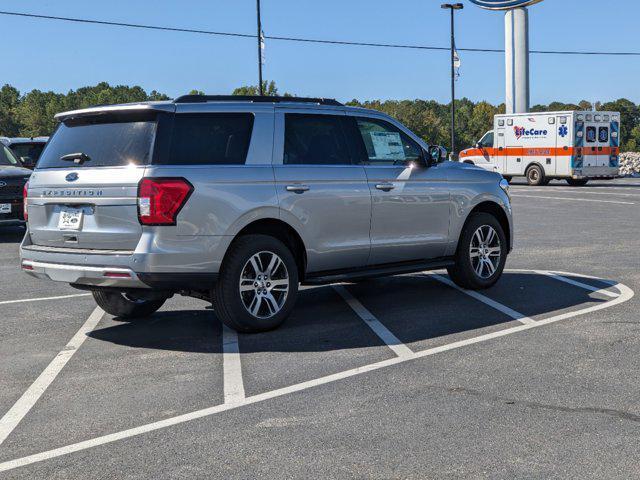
{"x":370,"y":379}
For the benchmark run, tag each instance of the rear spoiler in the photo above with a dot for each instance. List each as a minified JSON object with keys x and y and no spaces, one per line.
{"x":124,"y":108}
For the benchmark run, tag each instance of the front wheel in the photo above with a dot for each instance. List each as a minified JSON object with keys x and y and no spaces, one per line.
{"x":258,"y":284}
{"x":126,"y":306}
{"x":481,"y":254}
{"x":577,"y":183}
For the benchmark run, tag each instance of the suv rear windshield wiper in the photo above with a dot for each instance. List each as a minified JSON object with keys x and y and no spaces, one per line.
{"x":78,"y":158}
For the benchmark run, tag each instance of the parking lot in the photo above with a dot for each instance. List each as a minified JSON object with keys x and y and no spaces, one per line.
{"x":400,"y":377}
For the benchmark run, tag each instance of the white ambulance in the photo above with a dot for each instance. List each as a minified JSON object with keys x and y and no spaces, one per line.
{"x":576,"y":146}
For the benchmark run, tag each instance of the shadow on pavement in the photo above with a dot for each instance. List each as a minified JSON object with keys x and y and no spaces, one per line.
{"x":415,"y":308}
{"x":11,"y":234}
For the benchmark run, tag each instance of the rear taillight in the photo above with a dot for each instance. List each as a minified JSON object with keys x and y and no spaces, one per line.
{"x":161,"y":199}
{"x":25,"y":192}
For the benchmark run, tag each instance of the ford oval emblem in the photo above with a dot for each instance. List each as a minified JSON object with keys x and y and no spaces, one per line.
{"x":504,"y":4}
{"x":72,"y":177}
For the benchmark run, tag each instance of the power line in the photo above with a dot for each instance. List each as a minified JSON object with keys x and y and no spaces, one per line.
{"x":304,"y":40}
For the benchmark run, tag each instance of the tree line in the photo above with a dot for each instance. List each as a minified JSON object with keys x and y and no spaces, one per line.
{"x":31,"y":113}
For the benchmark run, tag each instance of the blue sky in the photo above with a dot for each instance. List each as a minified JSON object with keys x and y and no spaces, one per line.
{"x":60,"y":56}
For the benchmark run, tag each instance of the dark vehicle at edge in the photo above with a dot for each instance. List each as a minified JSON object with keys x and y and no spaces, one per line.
{"x":13,"y":178}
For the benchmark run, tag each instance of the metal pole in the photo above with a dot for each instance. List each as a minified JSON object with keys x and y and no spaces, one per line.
{"x":453,"y":89}
{"x":260,"y":89}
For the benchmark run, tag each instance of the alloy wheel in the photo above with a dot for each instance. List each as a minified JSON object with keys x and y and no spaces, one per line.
{"x":264,"y":284}
{"x":485,"y":251}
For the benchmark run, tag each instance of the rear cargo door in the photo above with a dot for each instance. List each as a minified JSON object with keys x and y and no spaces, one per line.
{"x":84,"y":191}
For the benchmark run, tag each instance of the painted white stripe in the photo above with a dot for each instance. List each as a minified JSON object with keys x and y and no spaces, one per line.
{"x":572,"y":198}
{"x":41,"y":299}
{"x":232,"y":368}
{"x":28,"y":399}
{"x":399,"y":348}
{"x":579,"y":284}
{"x":625,"y":295}
{"x":486,"y":300}
{"x":573,"y":190}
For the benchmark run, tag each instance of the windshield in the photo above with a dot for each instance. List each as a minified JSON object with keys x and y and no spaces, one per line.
{"x":7,"y":158}
{"x":107,"y":141}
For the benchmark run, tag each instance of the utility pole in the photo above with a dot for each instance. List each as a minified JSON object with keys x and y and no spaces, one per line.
{"x":260,"y":89}
{"x":453,"y":7}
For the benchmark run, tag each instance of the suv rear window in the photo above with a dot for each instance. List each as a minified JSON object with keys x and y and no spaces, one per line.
{"x":107,"y":141}
{"x":210,"y":139}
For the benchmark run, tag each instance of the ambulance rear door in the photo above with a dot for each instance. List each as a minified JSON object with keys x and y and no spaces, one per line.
{"x":604,"y":149}
{"x":590,"y":141}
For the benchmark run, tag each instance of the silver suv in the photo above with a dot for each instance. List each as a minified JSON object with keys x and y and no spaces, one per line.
{"x":238,"y":200}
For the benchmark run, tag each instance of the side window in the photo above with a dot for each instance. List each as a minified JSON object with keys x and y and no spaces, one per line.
{"x":386,"y":144}
{"x":315,"y":140}
{"x":210,"y":138}
{"x":603,"y":134}
{"x":591,"y":134}
{"x":487,"y":140}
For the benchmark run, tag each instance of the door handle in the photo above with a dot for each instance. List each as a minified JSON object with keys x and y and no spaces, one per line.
{"x":297,"y":188}
{"x":385,"y":186}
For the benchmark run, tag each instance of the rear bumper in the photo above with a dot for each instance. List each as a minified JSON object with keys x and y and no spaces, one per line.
{"x":595,"y":172}
{"x":187,"y":264}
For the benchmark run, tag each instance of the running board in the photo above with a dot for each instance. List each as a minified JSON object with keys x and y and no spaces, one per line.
{"x":337,"y":276}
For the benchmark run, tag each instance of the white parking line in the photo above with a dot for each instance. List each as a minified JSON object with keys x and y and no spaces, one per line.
{"x":625,"y":294}
{"x":572,"y":198}
{"x":579,"y":284}
{"x":12,"y":418}
{"x":573,"y":190}
{"x":232,"y":368}
{"x":486,"y":300}
{"x":400,"y":349}
{"x":41,"y":299}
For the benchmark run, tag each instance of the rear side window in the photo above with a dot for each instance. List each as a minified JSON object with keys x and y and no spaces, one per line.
{"x":210,"y":138}
{"x":315,"y":140}
{"x":6,"y":157}
{"x":101,"y":141}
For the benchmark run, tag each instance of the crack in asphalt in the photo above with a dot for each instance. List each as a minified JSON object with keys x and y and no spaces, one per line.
{"x":621,"y":414}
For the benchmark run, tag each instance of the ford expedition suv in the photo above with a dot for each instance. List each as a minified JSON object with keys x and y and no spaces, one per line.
{"x":238,"y":200}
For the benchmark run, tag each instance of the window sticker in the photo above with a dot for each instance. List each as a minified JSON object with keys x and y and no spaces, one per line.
{"x":387,"y":145}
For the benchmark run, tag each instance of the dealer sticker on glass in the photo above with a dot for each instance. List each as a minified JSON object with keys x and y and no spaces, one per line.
{"x":70,"y":219}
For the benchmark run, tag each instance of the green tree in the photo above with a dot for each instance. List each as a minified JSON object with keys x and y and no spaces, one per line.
{"x":269,"y":89}
{"x":9,"y":102}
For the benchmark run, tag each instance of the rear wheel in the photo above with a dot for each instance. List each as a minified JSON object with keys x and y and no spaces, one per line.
{"x":577,"y":183}
{"x":126,"y":305}
{"x":258,"y":284}
{"x":535,"y":175}
{"x":481,"y":254}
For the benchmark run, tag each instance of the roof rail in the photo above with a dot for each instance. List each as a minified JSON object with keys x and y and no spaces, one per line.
{"x":254,"y":98}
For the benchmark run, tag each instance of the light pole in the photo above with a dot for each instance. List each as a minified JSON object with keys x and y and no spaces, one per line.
{"x":453,"y":7}
{"x":259,"y":49}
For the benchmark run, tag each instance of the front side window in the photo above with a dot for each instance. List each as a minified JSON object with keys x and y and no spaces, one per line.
{"x":591,"y":134}
{"x":386,"y":144}
{"x":315,"y":140}
{"x":6,"y":157}
{"x":603,"y":134}
{"x":487,"y":140}
{"x":210,"y":138}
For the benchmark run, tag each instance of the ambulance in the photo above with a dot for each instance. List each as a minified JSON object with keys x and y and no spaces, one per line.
{"x":576,"y":146}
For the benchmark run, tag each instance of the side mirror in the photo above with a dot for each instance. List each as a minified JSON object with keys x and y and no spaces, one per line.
{"x":478,"y":145}
{"x":436,"y":154}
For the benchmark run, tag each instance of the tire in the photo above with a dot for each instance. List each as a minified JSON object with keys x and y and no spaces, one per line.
{"x":124,"y":306}
{"x":535,"y":175}
{"x":466,"y":272}
{"x":577,"y":183}
{"x":260,"y":307}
